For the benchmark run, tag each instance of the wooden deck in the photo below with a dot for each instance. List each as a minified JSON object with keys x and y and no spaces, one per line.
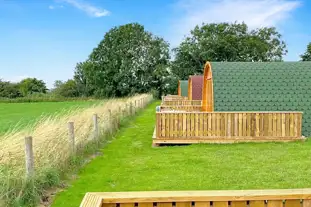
{"x":227,"y":127}
{"x":232,"y":198}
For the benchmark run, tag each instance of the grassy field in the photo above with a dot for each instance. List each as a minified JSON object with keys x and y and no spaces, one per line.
{"x":18,"y":115}
{"x":129,"y":163}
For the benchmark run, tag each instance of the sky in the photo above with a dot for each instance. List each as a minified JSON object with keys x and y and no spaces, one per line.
{"x":45,"y":39}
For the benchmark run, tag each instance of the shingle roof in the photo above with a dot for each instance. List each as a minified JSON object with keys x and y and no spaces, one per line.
{"x":269,"y":86}
{"x":184,"y":88}
{"x":197,"y":83}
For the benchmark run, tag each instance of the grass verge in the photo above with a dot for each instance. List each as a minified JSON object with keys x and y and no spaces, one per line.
{"x":52,"y":149}
{"x":129,"y":163}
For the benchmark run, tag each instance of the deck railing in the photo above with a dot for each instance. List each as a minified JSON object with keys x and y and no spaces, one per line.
{"x":181,"y":108}
{"x":223,"y":126}
{"x":234,"y":198}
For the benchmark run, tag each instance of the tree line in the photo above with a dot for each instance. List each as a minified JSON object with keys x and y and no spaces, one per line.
{"x":131,"y":60}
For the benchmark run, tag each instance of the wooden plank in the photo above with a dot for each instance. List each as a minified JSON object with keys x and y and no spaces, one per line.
{"x":266,"y":125}
{"x":183,"y":204}
{"x":272,"y":203}
{"x":164,"y":129}
{"x":220,"y":204}
{"x":180,"y":125}
{"x":201,"y":125}
{"x":184,"y":125}
{"x":287,"y":125}
{"x":270,"y":126}
{"x":164,"y":204}
{"x":229,"y":123}
{"x":240,"y":123}
{"x":257,"y":125}
{"x":257,"y":204}
{"x":196,"y":129}
{"x":108,"y":205}
{"x":127,"y":204}
{"x":279,"y":134}
{"x":150,"y":204}
{"x":283,"y":125}
{"x":171,"y":122}
{"x":210,"y":118}
{"x":292,"y":203}
{"x":306,"y":203}
{"x":192,"y":132}
{"x":291,"y":125}
{"x":218,"y":124}
{"x":238,"y":204}
{"x":274,"y":125}
{"x":244,"y":120}
{"x":158,"y":124}
{"x":202,"y":204}
{"x":176,"y":128}
{"x":261,"y":125}
{"x":236,"y":124}
{"x":188,"y":125}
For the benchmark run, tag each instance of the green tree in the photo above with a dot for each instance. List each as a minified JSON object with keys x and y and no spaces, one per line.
{"x":307,"y":55}
{"x":226,"y":42}
{"x":32,"y":85}
{"x":82,"y":71}
{"x":9,"y":90}
{"x":126,"y":61}
{"x":66,"y":89}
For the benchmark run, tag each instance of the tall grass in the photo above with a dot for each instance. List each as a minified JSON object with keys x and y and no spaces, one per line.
{"x":52,"y":151}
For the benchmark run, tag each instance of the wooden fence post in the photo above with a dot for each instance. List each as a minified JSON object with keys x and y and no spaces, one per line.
{"x":95,"y":122}
{"x":71,"y":131}
{"x":29,"y":161}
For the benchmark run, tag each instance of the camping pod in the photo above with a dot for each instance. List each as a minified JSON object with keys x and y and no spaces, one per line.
{"x":183,"y":88}
{"x":207,"y":92}
{"x":195,"y":85}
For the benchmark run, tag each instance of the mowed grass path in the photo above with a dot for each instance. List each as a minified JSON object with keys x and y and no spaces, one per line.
{"x":129,"y":163}
{"x":19,"y":115}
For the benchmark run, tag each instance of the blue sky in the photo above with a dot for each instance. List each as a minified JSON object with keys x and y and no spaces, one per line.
{"x":46,"y":38}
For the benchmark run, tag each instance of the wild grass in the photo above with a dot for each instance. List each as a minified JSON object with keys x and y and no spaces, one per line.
{"x":52,"y":150}
{"x":129,"y":163}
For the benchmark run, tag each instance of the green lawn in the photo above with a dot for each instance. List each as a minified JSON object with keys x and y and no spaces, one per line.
{"x":22,"y":114}
{"x":129,"y":163}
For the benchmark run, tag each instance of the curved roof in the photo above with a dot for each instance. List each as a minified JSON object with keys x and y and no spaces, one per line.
{"x":264,"y":86}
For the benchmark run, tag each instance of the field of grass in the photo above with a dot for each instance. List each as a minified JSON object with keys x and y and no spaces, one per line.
{"x":18,"y":115}
{"x":54,"y":157}
{"x":129,"y":163}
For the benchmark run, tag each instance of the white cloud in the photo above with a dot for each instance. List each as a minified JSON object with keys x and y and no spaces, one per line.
{"x":255,"y":13}
{"x":51,"y":7}
{"x":88,"y":8}
{"x":15,"y":79}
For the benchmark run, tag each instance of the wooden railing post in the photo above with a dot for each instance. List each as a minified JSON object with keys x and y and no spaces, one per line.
{"x":29,"y":161}
{"x":71,"y":132}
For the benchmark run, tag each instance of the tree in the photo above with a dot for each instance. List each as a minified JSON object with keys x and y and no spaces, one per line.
{"x":226,"y":42}
{"x":125,"y":62}
{"x":66,"y":89}
{"x":82,"y":71}
{"x":307,"y":55}
{"x":32,"y":85}
{"x":9,"y":90}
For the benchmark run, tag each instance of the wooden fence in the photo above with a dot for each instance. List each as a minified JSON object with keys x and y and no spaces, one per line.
{"x":226,"y":127}
{"x":234,"y":198}
{"x":181,"y":108}
{"x":181,"y":102}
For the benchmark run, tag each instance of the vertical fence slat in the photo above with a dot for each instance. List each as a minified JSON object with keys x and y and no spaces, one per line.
{"x":306,"y":203}
{"x":220,"y":204}
{"x":184,"y":125}
{"x":257,"y":204}
{"x":299,"y":123}
{"x":210,"y":117}
{"x":275,"y":204}
{"x":292,"y":203}
{"x":238,"y":204}
{"x":229,"y":125}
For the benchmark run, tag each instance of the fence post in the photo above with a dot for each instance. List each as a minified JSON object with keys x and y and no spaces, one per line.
{"x":71,"y":131}
{"x":29,"y":157}
{"x":95,"y":122}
